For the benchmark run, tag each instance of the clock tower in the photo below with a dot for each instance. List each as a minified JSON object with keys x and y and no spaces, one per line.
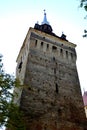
{"x":46,"y":66}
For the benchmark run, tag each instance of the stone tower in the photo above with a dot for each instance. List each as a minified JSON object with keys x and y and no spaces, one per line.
{"x":46,"y":66}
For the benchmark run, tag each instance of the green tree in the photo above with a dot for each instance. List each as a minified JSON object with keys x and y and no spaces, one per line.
{"x":83,"y":4}
{"x":10,"y":114}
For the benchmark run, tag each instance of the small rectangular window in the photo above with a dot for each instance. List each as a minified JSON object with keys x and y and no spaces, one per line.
{"x":41,"y":44}
{"x":47,"y":45}
{"x":54,"y":48}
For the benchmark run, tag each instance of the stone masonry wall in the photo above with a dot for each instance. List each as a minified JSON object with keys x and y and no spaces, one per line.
{"x":51,"y":99}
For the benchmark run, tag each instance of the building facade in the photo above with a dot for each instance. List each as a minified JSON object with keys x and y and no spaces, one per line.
{"x":46,"y":66}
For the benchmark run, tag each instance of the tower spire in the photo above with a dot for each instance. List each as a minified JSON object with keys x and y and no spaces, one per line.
{"x":45,"y":19}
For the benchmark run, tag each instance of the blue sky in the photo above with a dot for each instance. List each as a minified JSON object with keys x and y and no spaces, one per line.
{"x":16,"y":16}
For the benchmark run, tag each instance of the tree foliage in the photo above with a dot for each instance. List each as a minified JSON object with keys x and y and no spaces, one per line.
{"x":83,"y":4}
{"x":10,"y":114}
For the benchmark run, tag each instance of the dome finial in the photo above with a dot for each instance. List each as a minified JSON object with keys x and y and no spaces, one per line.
{"x":44,"y":11}
{"x":45,"y":18}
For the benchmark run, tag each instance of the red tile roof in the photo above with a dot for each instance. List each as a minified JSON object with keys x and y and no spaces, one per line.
{"x":85,"y":98}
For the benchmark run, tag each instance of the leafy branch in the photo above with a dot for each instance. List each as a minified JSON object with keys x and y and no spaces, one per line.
{"x":10,"y":114}
{"x":83,"y":4}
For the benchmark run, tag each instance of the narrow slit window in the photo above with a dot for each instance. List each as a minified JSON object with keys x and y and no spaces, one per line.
{"x":54,"y":70}
{"x":57,"y":88}
{"x":61,"y":52}
{"x":71,"y":56}
{"x":53,"y":58}
{"x":20,"y":66}
{"x":35,"y":43}
{"x":41,"y":44}
{"x":66,"y":54}
{"x":47,"y":46}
